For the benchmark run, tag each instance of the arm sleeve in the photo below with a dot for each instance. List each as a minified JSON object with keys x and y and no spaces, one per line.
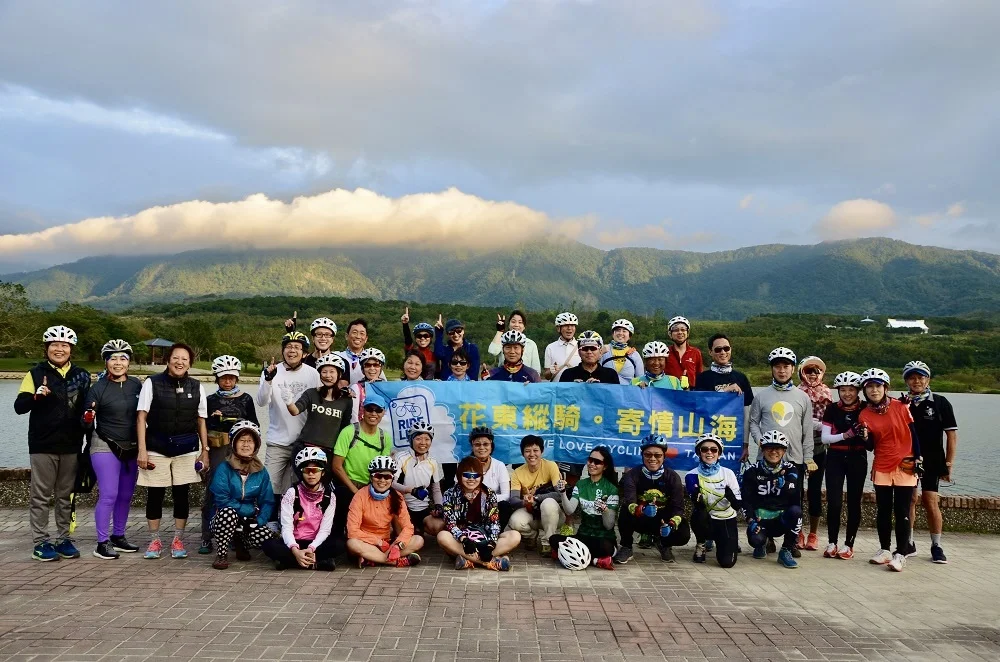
{"x":439,"y":344}
{"x":570,"y":503}
{"x":828,"y":435}
{"x":609,"y":516}
{"x":265,"y":500}
{"x":407,"y":338}
{"x":302,"y":404}
{"x":436,"y":496}
{"x":326,"y":524}
{"x":749,"y":492}
{"x":287,"y":525}
{"x":515,"y":500}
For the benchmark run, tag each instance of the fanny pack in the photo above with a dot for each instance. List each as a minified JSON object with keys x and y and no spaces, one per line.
{"x":178,"y":444}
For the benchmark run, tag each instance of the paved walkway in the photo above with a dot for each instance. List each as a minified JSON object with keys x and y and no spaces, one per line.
{"x":133,"y":609}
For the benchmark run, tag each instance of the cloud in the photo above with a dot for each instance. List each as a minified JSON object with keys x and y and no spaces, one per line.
{"x":653,"y":236}
{"x":334,"y":218}
{"x":746,"y":201}
{"x":954,"y":211}
{"x":856,"y":218}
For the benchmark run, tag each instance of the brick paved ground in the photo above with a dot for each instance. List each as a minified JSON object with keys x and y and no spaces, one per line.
{"x":133,"y":609}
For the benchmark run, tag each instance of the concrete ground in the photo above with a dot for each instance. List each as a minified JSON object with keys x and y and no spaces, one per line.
{"x":132,"y":609}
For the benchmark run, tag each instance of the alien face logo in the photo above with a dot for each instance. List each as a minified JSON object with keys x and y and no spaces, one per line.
{"x":782,"y":413}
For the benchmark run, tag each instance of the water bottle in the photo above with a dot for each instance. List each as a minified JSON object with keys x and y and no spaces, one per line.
{"x":199,"y":466}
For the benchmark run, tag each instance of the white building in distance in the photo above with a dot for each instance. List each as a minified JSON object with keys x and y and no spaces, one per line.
{"x":891,"y":323}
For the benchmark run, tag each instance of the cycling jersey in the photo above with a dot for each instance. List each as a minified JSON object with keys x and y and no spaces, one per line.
{"x":626,"y":362}
{"x":591,"y":519}
{"x":689,"y":365}
{"x":710,"y":380}
{"x":580,"y":374}
{"x":523,"y":375}
{"x":932,"y":418}
{"x":893,"y":435}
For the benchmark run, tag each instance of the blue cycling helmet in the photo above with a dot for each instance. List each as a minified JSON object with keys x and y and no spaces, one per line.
{"x":658,"y":440}
{"x":424,"y":326}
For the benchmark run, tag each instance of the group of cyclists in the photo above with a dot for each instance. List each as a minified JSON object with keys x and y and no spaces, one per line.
{"x":332,"y":484}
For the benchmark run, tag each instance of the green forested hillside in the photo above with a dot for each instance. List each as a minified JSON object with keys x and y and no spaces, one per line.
{"x":866,"y":276}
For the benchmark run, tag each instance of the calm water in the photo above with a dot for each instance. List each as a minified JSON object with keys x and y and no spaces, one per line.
{"x":975,"y":471}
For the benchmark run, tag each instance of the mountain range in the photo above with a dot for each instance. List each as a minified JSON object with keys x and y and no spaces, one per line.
{"x":862,"y":276}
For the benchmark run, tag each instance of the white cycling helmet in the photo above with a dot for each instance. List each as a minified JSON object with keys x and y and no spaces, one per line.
{"x":774,"y":438}
{"x":563,"y":319}
{"x":623,"y":324}
{"x":875,"y":375}
{"x":244,"y":426}
{"x":678,"y":320}
{"x":918,"y":367}
{"x":334,"y":359}
{"x":118,"y":346}
{"x":311,"y":454}
{"x":655,"y":348}
{"x":382,"y":463}
{"x":847,"y":379}
{"x":420,"y":427}
{"x":709,"y":438}
{"x":573,"y":554}
{"x":323,"y":323}
{"x":513,"y":337}
{"x":226,"y":365}
{"x":781,"y":353}
{"x":589,"y":339}
{"x":371,"y":353}
{"x":59,"y":334}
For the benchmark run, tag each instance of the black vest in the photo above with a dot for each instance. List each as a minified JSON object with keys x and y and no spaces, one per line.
{"x":174,"y":409}
{"x":54,"y":424}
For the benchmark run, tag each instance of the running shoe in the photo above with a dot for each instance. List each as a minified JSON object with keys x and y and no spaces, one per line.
{"x":760,"y":552}
{"x":544,"y":548}
{"x":796,"y":553}
{"x":44,"y":551}
{"x":645,"y":540}
{"x":326,"y":565}
{"x":800,"y":543}
{"x":709,"y":545}
{"x":462,"y":563}
{"x":846,"y":553}
{"x":937,"y":554}
{"x":501,"y":564}
{"x":605,"y":563}
{"x":911,"y":550}
{"x":154,"y":549}
{"x":206,"y":547}
{"x":667,"y":554}
{"x":66,"y":549}
{"x":221,"y":562}
{"x":121,"y":544}
{"x":785,"y":559}
{"x":812,"y":542}
{"x":699,"y":553}
{"x":881,"y":557}
{"x":624,"y":555}
{"x":408,"y":561}
{"x":105,"y":551}
{"x":177,"y":550}
{"x":771,"y":549}
{"x":830,"y":551}
{"x":897,"y":562}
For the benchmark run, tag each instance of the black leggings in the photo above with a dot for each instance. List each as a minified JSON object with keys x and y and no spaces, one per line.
{"x":725,"y":533}
{"x":599,"y":547}
{"x":629,"y":525}
{"x":506,"y":510}
{"x":154,"y":501}
{"x":851,"y":466}
{"x":276,"y":550}
{"x":893,"y":500}
{"x":814,"y":487}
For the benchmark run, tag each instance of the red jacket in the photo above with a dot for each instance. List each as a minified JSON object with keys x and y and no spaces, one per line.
{"x":690,"y":366}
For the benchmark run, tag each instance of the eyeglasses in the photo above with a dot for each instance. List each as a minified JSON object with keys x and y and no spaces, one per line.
{"x":382,"y":476}
{"x":721,"y":350}
{"x":455,"y":332}
{"x":323,"y":335}
{"x":460,"y":362}
{"x":595,"y":460}
{"x":374,"y":409}
{"x":470,"y":475}
{"x":653,"y":456}
{"x":422,"y":336}
{"x":811,"y":371}
{"x":312,"y":470}
{"x":482,"y":444}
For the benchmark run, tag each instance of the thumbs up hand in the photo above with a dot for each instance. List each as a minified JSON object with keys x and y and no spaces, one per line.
{"x":43,"y":390}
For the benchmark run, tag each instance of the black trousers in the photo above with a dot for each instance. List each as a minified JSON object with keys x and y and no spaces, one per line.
{"x":852,"y":467}
{"x":893,"y":500}
{"x":276,"y":550}
{"x":629,"y":525}
{"x":789,"y":524}
{"x":814,"y":487}
{"x":725,"y":533}
{"x":506,"y":510}
{"x":599,"y":547}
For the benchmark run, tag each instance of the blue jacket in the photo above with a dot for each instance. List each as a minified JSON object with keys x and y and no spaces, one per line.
{"x":444,"y":351}
{"x":254,"y":497}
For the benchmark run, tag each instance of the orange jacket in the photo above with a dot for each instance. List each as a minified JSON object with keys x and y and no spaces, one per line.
{"x":369,"y":520}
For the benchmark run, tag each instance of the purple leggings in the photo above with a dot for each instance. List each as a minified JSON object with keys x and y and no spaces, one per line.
{"x":115,"y":486}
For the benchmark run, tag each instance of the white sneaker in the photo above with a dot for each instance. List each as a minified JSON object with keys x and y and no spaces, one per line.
{"x":830,"y":551}
{"x":882,"y":557}
{"x":897,"y":562}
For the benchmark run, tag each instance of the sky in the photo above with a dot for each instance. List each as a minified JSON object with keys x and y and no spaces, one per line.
{"x":694,"y":125}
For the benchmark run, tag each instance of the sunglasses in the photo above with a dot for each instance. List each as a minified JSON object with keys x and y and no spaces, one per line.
{"x":721,"y":350}
{"x":312,"y":470}
{"x":454,"y":332}
{"x":589,"y":349}
{"x":373,"y":364}
{"x":595,"y":460}
{"x":422,"y":336}
{"x":812,"y":371}
{"x":709,"y":449}
{"x":375,"y":409}
{"x":382,"y":476}
{"x":460,"y":363}
{"x":653,"y":456}
{"x":470,"y":475}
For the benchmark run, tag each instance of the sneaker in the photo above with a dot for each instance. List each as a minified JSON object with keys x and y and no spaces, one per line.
{"x":709,"y":545}
{"x":846,"y":553}
{"x":206,"y":547}
{"x":326,"y":565}
{"x":881,"y":557}
{"x":812,"y":542}
{"x":154,"y":549}
{"x":645,"y":541}
{"x":796,"y":553}
{"x":760,"y":552}
{"x":937,"y":554}
{"x":699,"y":553}
{"x":501,"y":564}
{"x":66,"y":549}
{"x":242,"y":553}
{"x":771,"y":549}
{"x":121,"y":544}
{"x":830,"y":551}
{"x":462,"y":563}
{"x":911,"y":550}
{"x":897,"y":562}
{"x":605,"y":563}
{"x":667,"y":554}
{"x":177,"y":550}
{"x":544,"y":548}
{"x":44,"y":551}
{"x":408,"y":561}
{"x":105,"y":551}
{"x":786,"y":559}
{"x":221,"y":562}
{"x":800,"y":543}
{"x":624,"y":555}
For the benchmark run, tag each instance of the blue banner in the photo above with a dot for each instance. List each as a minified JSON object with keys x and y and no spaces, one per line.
{"x":573,"y":418}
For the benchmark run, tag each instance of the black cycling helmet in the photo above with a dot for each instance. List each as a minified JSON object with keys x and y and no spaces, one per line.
{"x":483,"y":431}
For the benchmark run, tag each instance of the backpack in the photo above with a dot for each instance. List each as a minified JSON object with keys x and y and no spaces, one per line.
{"x":357,"y":438}
{"x":324,"y":503}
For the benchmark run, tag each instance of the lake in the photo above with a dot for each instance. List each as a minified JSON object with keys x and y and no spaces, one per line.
{"x":975,"y":464}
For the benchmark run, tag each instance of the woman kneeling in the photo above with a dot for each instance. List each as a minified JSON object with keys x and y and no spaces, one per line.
{"x":375,"y":514}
